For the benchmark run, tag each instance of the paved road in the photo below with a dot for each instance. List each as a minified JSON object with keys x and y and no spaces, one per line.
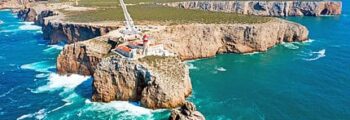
{"x":129,"y":22}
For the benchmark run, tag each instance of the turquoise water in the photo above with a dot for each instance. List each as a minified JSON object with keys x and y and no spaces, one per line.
{"x":298,"y":81}
{"x":303,"y":81}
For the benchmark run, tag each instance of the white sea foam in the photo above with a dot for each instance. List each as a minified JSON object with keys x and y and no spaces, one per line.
{"x":289,"y":45}
{"x":252,"y":53}
{"x":41,"y":75}
{"x":221,"y":69}
{"x":29,"y":26}
{"x":318,"y":55}
{"x":191,"y":66}
{"x":124,"y":107}
{"x":62,"y":81}
{"x":53,"y":48}
{"x":1,"y":22}
{"x":5,"y":10}
{"x":37,"y":115}
{"x":42,"y":66}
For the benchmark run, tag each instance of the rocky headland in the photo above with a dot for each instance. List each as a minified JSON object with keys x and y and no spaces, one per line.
{"x":265,"y":8}
{"x":157,"y":82}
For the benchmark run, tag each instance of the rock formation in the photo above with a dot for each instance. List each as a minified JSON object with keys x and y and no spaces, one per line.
{"x":266,"y":8}
{"x":83,"y":57}
{"x":158,"y":82}
{"x":194,"y":41}
{"x":57,"y":31}
{"x":186,"y":112}
{"x":28,"y":14}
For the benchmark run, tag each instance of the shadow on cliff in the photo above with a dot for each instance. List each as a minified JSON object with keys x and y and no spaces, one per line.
{"x":85,"y":89}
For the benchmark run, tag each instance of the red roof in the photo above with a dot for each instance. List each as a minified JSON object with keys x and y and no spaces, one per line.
{"x":124,"y":48}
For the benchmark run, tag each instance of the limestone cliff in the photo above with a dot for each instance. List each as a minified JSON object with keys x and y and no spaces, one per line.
{"x":82,"y":57}
{"x":57,"y":31}
{"x":158,"y":82}
{"x":266,"y":8}
{"x":194,"y":41}
{"x":28,"y":14}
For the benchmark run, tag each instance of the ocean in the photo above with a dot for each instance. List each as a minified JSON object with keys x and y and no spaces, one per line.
{"x":292,"y":81}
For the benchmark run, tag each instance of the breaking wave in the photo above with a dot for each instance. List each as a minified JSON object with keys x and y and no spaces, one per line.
{"x":191,"y":66}
{"x":52,"y":49}
{"x":290,"y":45}
{"x":42,"y":66}
{"x":252,"y":53}
{"x":29,"y":26}
{"x":57,"y":82}
{"x":317,"y":55}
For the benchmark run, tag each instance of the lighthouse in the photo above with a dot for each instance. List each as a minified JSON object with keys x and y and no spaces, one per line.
{"x":145,"y":40}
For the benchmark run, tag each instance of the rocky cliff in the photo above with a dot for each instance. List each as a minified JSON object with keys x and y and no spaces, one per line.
{"x":83,"y":57}
{"x":266,"y":8}
{"x":194,"y":41}
{"x":57,"y":31}
{"x":158,"y":82}
{"x":28,"y":14}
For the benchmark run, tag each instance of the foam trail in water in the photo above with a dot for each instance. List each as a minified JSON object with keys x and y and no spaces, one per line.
{"x":8,"y":92}
{"x":221,"y":69}
{"x":319,"y":54}
{"x":42,"y":66}
{"x":38,"y":115}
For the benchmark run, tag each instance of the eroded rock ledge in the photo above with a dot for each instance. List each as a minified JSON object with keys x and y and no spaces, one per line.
{"x":266,"y":8}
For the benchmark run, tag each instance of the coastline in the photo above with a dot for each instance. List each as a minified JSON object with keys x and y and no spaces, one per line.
{"x":76,"y":41}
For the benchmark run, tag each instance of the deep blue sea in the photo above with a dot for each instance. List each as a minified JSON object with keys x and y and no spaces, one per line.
{"x":292,"y":81}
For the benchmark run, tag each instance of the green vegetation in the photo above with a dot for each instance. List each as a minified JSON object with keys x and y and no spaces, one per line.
{"x":155,"y":13}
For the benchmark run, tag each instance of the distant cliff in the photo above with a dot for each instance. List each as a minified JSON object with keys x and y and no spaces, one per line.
{"x":56,"y":30}
{"x":265,"y":8}
{"x":194,"y":41}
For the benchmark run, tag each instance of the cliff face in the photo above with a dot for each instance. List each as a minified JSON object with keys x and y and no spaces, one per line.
{"x":82,"y":57}
{"x":158,"y":82}
{"x":266,"y":8}
{"x":59,"y":31}
{"x":72,"y":32}
{"x":28,"y":14}
{"x":206,"y":40}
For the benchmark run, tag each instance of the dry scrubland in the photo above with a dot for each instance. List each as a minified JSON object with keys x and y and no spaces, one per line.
{"x":109,"y":10}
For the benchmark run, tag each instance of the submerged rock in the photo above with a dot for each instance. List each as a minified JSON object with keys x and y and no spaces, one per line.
{"x":186,"y":112}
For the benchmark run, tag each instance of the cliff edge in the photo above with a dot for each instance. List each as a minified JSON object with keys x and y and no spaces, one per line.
{"x":265,"y":8}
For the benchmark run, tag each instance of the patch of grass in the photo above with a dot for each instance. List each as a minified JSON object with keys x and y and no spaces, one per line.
{"x":155,"y":13}
{"x":180,"y":16}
